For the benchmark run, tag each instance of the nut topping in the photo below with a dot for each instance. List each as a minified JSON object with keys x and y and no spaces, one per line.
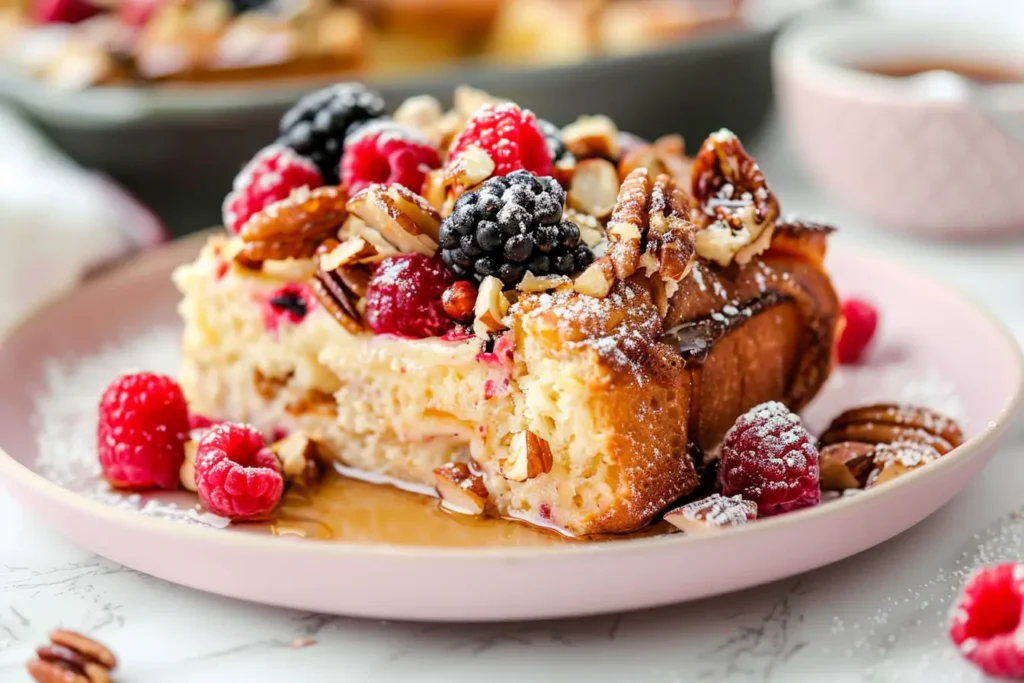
{"x":459,"y":300}
{"x":592,"y":136}
{"x":529,"y":457}
{"x":491,"y":307}
{"x":896,"y":459}
{"x":846,"y":465}
{"x":650,"y":226}
{"x":594,"y":188}
{"x":665,"y":156}
{"x":187,"y":472}
{"x":461,"y":490}
{"x":732,"y":202}
{"x":299,"y":458}
{"x":597,"y":280}
{"x":889,"y":423}
{"x":293,"y":227}
{"x":543,"y":283}
{"x":336,"y":290}
{"x":72,"y":658}
{"x":713,"y":513}
{"x":401,"y":216}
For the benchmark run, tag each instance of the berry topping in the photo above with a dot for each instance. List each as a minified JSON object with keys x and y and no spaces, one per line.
{"x":137,"y":13}
{"x":769,"y":458}
{"x":986,"y":624}
{"x":63,"y":11}
{"x":404,"y":297}
{"x":510,"y":136}
{"x":289,"y":303}
{"x":387,"y":153}
{"x":142,"y":430}
{"x":860,"y":320}
{"x":237,"y":475}
{"x":271,"y":176}
{"x":318,"y":123}
{"x":239,"y":6}
{"x":553,"y":138}
{"x":511,"y":225}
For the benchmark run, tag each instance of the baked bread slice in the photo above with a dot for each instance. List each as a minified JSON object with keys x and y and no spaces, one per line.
{"x":574,"y":404}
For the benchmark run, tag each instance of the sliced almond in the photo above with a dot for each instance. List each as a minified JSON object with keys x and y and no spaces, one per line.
{"x":597,"y":279}
{"x":529,"y":456}
{"x":543,"y":283}
{"x":594,"y":188}
{"x":187,"y":471}
{"x":491,"y":306}
{"x":470,"y":168}
{"x":714,"y":513}
{"x":460,"y":489}
{"x":402,"y":218}
{"x":592,"y":136}
{"x":352,"y":250}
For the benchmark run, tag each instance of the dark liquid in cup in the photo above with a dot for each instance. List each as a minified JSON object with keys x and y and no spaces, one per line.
{"x":981,"y":72}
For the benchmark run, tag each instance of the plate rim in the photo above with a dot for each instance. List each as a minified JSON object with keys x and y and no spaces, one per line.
{"x":14,"y":474}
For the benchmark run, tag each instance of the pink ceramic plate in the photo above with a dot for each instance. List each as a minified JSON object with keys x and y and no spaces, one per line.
{"x":935,"y":348}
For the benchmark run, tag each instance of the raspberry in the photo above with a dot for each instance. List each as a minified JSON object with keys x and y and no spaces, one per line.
{"x":137,"y":13}
{"x":318,"y":123}
{"x":237,"y":475}
{"x":404,"y":297}
{"x":860,"y":320}
{"x":63,"y":11}
{"x":511,"y":225}
{"x":270,"y":177}
{"x":510,"y":136}
{"x":387,"y":153}
{"x":769,"y":458}
{"x":143,"y":426}
{"x":287,"y":304}
{"x":986,"y":624}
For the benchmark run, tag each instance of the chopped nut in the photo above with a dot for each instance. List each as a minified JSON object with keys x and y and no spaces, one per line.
{"x":592,"y":136}
{"x":459,"y":300}
{"x":293,"y":227}
{"x":591,"y":230}
{"x":714,"y":513}
{"x":422,"y":113}
{"x":543,"y":283}
{"x":597,"y":279}
{"x":299,"y":458}
{"x":472,"y":166}
{"x":460,"y":489}
{"x":594,"y":188}
{"x":529,"y":456}
{"x":468,"y":100}
{"x":491,"y":307}
{"x":665,"y":156}
{"x":435,"y":190}
{"x":890,"y":423}
{"x":732,"y":202}
{"x":896,"y":459}
{"x":846,"y":465}
{"x":402,"y":217}
{"x":352,"y":250}
{"x":187,"y":472}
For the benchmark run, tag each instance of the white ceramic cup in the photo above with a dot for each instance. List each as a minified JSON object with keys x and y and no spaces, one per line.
{"x":931,"y":154}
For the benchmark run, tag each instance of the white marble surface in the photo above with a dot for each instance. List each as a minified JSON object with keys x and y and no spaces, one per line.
{"x":876,"y":617}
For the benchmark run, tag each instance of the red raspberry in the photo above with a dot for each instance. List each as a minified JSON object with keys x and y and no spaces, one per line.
{"x":404,"y":297}
{"x":63,"y":11}
{"x":510,"y":136}
{"x":137,"y":13}
{"x":237,"y":475}
{"x":986,"y":623}
{"x":386,"y":153}
{"x":769,"y":458}
{"x":860,"y":320}
{"x":143,"y":426}
{"x":269,"y":177}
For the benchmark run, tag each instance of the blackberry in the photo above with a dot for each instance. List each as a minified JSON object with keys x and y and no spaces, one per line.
{"x":318,"y":123}
{"x":510,"y":225}
{"x":553,"y":139}
{"x":240,"y":6}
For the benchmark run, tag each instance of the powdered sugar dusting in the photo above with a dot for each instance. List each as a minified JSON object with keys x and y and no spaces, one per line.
{"x":65,"y":421}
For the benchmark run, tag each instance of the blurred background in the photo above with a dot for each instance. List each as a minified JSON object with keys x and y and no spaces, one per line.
{"x":124,"y":121}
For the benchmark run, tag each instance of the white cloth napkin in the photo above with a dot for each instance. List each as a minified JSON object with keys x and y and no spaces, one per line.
{"x":57,"y":220}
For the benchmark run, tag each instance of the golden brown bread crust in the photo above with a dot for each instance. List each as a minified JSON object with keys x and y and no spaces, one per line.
{"x":767,"y":332}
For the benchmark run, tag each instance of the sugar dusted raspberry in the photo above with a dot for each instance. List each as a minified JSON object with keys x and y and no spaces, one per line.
{"x":288,"y":304}
{"x":510,"y":136}
{"x":237,"y":475}
{"x":63,"y":11}
{"x":860,"y":320}
{"x":769,"y":458}
{"x":404,"y":297}
{"x":387,"y":153}
{"x":142,"y":429}
{"x":270,"y":177}
{"x":986,"y":623}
